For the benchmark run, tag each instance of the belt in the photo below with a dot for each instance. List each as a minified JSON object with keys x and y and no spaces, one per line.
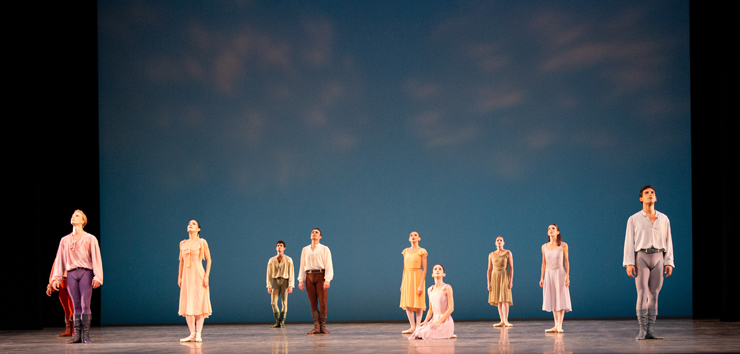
{"x":76,"y":269}
{"x":315,"y":271}
{"x":651,"y":250}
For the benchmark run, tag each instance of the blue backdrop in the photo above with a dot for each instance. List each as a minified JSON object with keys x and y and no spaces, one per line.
{"x":462,"y":121}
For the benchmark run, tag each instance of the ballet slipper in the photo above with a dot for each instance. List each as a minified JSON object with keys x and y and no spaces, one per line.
{"x":189,"y":338}
{"x":551,"y":330}
{"x":408,"y":331}
{"x":508,"y":325}
{"x":198,"y":338}
{"x":500,"y":324}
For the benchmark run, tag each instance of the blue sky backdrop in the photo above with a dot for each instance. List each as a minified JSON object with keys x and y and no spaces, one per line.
{"x":462,"y":120}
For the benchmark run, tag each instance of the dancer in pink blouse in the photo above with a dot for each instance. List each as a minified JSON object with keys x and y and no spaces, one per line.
{"x":79,"y":256}
{"x":195,"y":293}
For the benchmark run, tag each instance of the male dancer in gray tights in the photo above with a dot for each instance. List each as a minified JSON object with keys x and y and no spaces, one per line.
{"x":648,"y":254}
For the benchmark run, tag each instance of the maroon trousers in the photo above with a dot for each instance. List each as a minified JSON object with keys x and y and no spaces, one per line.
{"x":316,"y":292}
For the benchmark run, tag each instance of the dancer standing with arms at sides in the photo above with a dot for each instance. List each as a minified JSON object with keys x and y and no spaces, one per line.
{"x":317,"y":272}
{"x":500,"y":281}
{"x":648,"y":255}
{"x":280,"y":282}
{"x":438,"y":323}
{"x":66,"y":301}
{"x":413,"y":281}
{"x":555,"y":278}
{"x":195,"y":293}
{"x":79,"y":257}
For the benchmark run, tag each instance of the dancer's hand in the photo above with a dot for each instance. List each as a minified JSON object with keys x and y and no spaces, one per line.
{"x":269,"y":291}
{"x":290,"y":290}
{"x":95,"y":284}
{"x":489,"y":287}
{"x":631,"y":271}
{"x":567,"y":280}
{"x":419,"y":290}
{"x":326,"y":285}
{"x":205,"y":282}
{"x":542,"y":283}
{"x":55,"y":285}
{"x":49,"y":290}
{"x":435,"y":324}
{"x":511,"y":283}
{"x":300,"y":285}
{"x":179,"y":282}
{"x":668,"y":271}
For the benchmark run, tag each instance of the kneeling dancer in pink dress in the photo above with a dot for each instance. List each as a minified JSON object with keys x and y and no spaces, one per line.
{"x":438,"y":323}
{"x":79,"y":256}
{"x":195,"y":294}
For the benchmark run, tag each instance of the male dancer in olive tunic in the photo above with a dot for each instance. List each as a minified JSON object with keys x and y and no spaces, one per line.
{"x":648,"y":254}
{"x":280,"y":282}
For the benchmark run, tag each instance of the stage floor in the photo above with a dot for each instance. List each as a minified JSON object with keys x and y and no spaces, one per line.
{"x":581,"y":336}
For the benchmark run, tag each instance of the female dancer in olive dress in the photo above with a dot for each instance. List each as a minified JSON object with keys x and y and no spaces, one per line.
{"x":555,"y":278}
{"x":195,"y":298}
{"x":413,"y":282}
{"x":500,"y":281}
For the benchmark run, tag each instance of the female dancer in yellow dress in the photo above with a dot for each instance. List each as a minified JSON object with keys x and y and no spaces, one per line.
{"x":413,"y":284}
{"x":500,"y":281}
{"x":195,"y":298}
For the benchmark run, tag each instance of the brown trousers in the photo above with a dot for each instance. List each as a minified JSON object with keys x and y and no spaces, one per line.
{"x":316,"y":292}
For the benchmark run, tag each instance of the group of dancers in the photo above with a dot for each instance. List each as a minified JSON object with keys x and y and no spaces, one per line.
{"x":648,"y":257}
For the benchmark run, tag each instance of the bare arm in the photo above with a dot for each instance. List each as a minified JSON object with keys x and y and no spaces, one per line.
{"x":490,"y":268}
{"x":566,"y":264}
{"x":511,"y":270}
{"x":420,"y":289}
{"x":208,"y":263}
{"x":544,"y":266}
{"x":179,"y":274}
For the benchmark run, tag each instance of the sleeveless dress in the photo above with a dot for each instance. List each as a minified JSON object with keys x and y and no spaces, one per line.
{"x":555,"y":295}
{"x":194,"y":298}
{"x":413,"y":275}
{"x":438,"y":302}
{"x":500,"y":291}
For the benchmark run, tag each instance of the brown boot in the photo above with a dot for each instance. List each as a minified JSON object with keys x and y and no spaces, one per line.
{"x":316,"y":328}
{"x":322,"y":322}
{"x":69,"y":322}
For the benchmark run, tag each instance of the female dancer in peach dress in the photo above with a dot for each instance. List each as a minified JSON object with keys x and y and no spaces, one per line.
{"x":413,"y":282}
{"x":438,"y":323}
{"x":195,"y":299}
{"x":555,"y":278}
{"x":500,"y":281}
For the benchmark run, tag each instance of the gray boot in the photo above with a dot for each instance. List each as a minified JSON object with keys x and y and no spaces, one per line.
{"x":77,"y":337}
{"x":85,"y":319}
{"x":642,"y":320}
{"x":651,"y":315}
{"x":277,"y":319}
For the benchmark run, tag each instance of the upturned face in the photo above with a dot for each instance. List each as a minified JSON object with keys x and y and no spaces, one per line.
{"x":193,"y":226}
{"x":414,"y":237}
{"x":500,"y":242}
{"x":438,"y":271}
{"x":552,"y":231}
{"x":315,"y":235}
{"x":648,"y":196}
{"x":77,"y":219}
{"x":280,"y":248}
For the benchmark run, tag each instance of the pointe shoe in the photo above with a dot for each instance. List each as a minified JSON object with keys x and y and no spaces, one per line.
{"x":189,"y":338}
{"x":500,"y":324}
{"x":551,"y":330}
{"x":508,"y":325}
{"x":198,"y":338}
{"x":408,"y":331}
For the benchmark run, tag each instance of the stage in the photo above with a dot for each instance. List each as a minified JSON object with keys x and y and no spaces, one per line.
{"x":581,"y":336}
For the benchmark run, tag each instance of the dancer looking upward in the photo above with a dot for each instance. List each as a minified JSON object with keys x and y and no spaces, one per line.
{"x":413,"y":281}
{"x":79,"y":256}
{"x":555,"y":278}
{"x":195,"y":293}
{"x":438,"y":323}
{"x":500,"y":281}
{"x":280,"y":282}
{"x":317,"y":272}
{"x":648,"y":255}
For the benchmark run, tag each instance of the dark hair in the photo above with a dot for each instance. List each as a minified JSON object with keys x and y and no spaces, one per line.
{"x":196,"y":221}
{"x":443,"y":267}
{"x":316,"y":228}
{"x":279,"y":242}
{"x":646,"y":187}
{"x":559,"y":239}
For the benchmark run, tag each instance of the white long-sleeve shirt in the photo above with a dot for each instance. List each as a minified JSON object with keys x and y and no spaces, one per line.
{"x":316,"y":259}
{"x":642,"y":234}
{"x":84,"y":253}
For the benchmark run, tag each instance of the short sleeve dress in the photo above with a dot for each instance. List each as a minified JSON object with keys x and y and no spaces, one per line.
{"x":413,"y":275}
{"x":500,"y":291}
{"x":195,"y":300}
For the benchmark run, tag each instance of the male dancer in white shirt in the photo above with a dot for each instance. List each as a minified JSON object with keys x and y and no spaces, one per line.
{"x":280,"y":282}
{"x":317,"y":272}
{"x":648,"y":254}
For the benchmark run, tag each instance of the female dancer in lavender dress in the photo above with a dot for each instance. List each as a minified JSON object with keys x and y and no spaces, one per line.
{"x":555,"y":278}
{"x":438,"y":323}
